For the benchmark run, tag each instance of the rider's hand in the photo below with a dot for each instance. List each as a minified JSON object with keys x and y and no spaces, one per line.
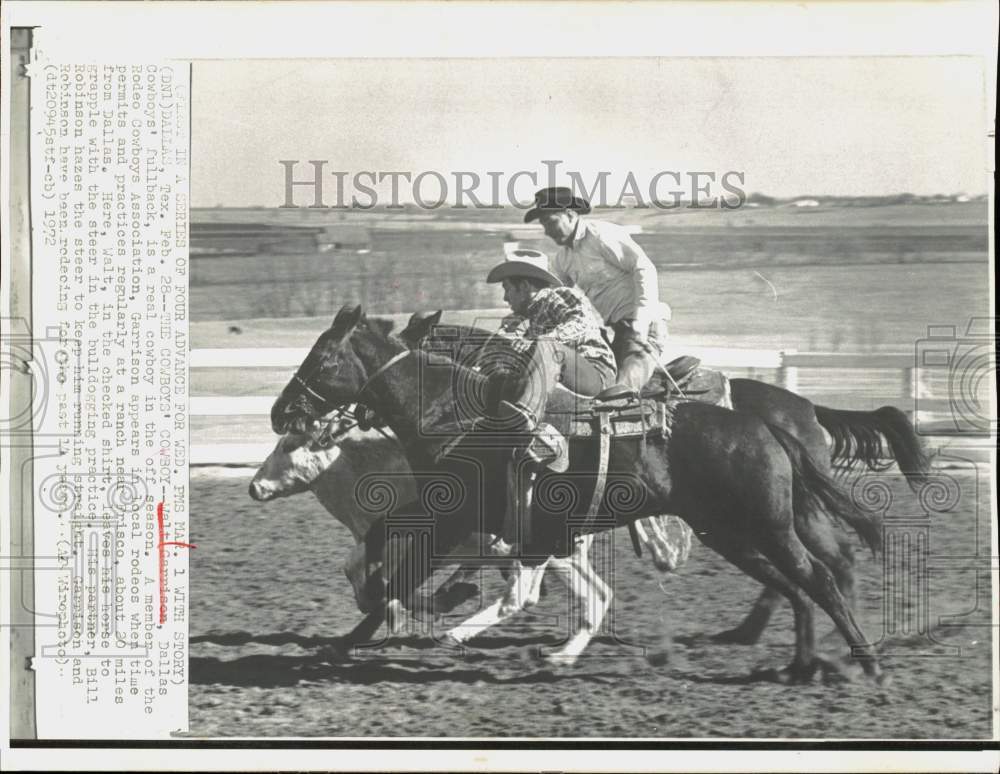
{"x":638,"y":329}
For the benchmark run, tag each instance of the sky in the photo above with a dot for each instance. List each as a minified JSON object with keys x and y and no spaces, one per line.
{"x":792,"y":126}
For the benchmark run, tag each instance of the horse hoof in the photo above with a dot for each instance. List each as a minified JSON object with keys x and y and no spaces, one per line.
{"x":834,"y":672}
{"x":737,"y":636}
{"x":334,"y":653}
{"x":395,"y":616}
{"x":793,"y":674}
{"x":562,"y":660}
{"x":658,"y":658}
{"x":769,"y":675}
{"x":449,"y":640}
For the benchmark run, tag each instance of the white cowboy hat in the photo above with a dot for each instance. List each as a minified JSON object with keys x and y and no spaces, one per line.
{"x":524,"y":263}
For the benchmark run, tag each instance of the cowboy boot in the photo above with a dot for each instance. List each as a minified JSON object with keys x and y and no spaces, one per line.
{"x":546,"y":446}
{"x":635,"y":371}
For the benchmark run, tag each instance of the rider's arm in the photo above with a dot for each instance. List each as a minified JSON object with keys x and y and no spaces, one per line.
{"x":621,"y":251}
{"x":560,"y":266}
{"x":564,"y":314}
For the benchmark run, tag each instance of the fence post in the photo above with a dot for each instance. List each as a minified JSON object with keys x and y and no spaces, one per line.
{"x":788,"y":376}
{"x":915,"y":383}
{"x":364,"y":288}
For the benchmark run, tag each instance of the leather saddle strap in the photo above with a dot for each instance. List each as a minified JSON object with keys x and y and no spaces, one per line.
{"x":636,"y":543}
{"x":603,"y":456}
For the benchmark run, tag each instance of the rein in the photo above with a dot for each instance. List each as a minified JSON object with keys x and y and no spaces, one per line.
{"x":385,"y":367}
{"x":365,"y":416}
{"x":326,"y":439}
{"x":305,"y":386}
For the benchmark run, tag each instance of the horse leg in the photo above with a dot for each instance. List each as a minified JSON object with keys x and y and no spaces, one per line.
{"x":758,"y":567}
{"x":523,"y":587}
{"x":750,"y":629}
{"x":821,"y":539}
{"x":833,"y":548}
{"x":458,"y":588}
{"x":794,"y":414}
{"x":794,"y":560}
{"x":590,"y":595}
{"x":406,"y":572}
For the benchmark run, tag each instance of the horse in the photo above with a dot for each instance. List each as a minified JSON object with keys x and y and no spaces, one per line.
{"x":331,"y":462}
{"x":735,"y":480}
{"x":336,"y":457}
{"x":856,"y":440}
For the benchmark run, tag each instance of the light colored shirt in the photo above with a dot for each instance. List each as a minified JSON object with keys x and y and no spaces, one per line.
{"x":616,"y":274}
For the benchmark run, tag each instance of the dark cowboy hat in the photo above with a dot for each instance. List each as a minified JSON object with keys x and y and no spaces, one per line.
{"x":523,"y":263}
{"x":555,"y":200}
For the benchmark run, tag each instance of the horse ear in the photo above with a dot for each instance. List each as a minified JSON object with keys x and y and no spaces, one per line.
{"x":348,"y":318}
{"x":342,"y":315}
{"x":435,"y":318}
{"x":381,"y":325}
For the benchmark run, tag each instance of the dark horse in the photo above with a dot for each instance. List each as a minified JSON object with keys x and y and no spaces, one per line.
{"x":857,"y":440}
{"x":734,"y":480}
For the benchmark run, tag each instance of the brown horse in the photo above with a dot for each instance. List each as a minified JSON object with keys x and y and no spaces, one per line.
{"x":735,"y":481}
{"x":857,"y":440}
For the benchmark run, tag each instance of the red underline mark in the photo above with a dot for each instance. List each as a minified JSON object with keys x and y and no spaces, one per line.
{"x":162,"y":565}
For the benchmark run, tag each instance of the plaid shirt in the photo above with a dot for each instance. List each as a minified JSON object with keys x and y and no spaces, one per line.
{"x":564,"y":314}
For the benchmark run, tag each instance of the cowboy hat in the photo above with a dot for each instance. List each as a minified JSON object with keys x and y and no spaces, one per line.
{"x":555,"y":200}
{"x":524,"y":263}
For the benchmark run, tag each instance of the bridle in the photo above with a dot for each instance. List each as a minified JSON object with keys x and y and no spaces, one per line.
{"x":364,"y":417}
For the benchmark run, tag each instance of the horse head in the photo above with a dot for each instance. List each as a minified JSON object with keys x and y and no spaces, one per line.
{"x":335,"y":371}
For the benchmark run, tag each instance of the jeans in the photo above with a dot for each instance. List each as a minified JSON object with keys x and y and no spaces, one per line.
{"x":628,"y":341}
{"x":549,"y":362}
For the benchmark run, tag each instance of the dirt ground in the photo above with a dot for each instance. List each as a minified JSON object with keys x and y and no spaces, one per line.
{"x":268,"y":599}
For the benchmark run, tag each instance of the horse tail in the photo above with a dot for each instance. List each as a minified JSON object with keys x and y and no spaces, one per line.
{"x":858,"y":438}
{"x":813,"y":490}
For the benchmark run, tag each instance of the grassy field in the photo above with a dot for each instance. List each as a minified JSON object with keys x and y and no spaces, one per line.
{"x":865,"y":288}
{"x":441,"y":263}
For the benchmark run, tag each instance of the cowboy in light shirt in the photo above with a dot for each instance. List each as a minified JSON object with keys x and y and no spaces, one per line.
{"x":605,"y":262}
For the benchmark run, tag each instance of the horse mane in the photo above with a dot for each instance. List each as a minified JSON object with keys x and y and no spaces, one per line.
{"x":381,"y":329}
{"x":381,"y":325}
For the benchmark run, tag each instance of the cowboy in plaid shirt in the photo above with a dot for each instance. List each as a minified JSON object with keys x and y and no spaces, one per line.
{"x":559,"y":335}
{"x":566,"y":315}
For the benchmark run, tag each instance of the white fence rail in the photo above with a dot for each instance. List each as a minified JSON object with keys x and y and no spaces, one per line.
{"x":786,"y":364}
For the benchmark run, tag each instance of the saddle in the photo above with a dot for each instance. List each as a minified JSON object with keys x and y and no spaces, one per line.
{"x":630,"y":416}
